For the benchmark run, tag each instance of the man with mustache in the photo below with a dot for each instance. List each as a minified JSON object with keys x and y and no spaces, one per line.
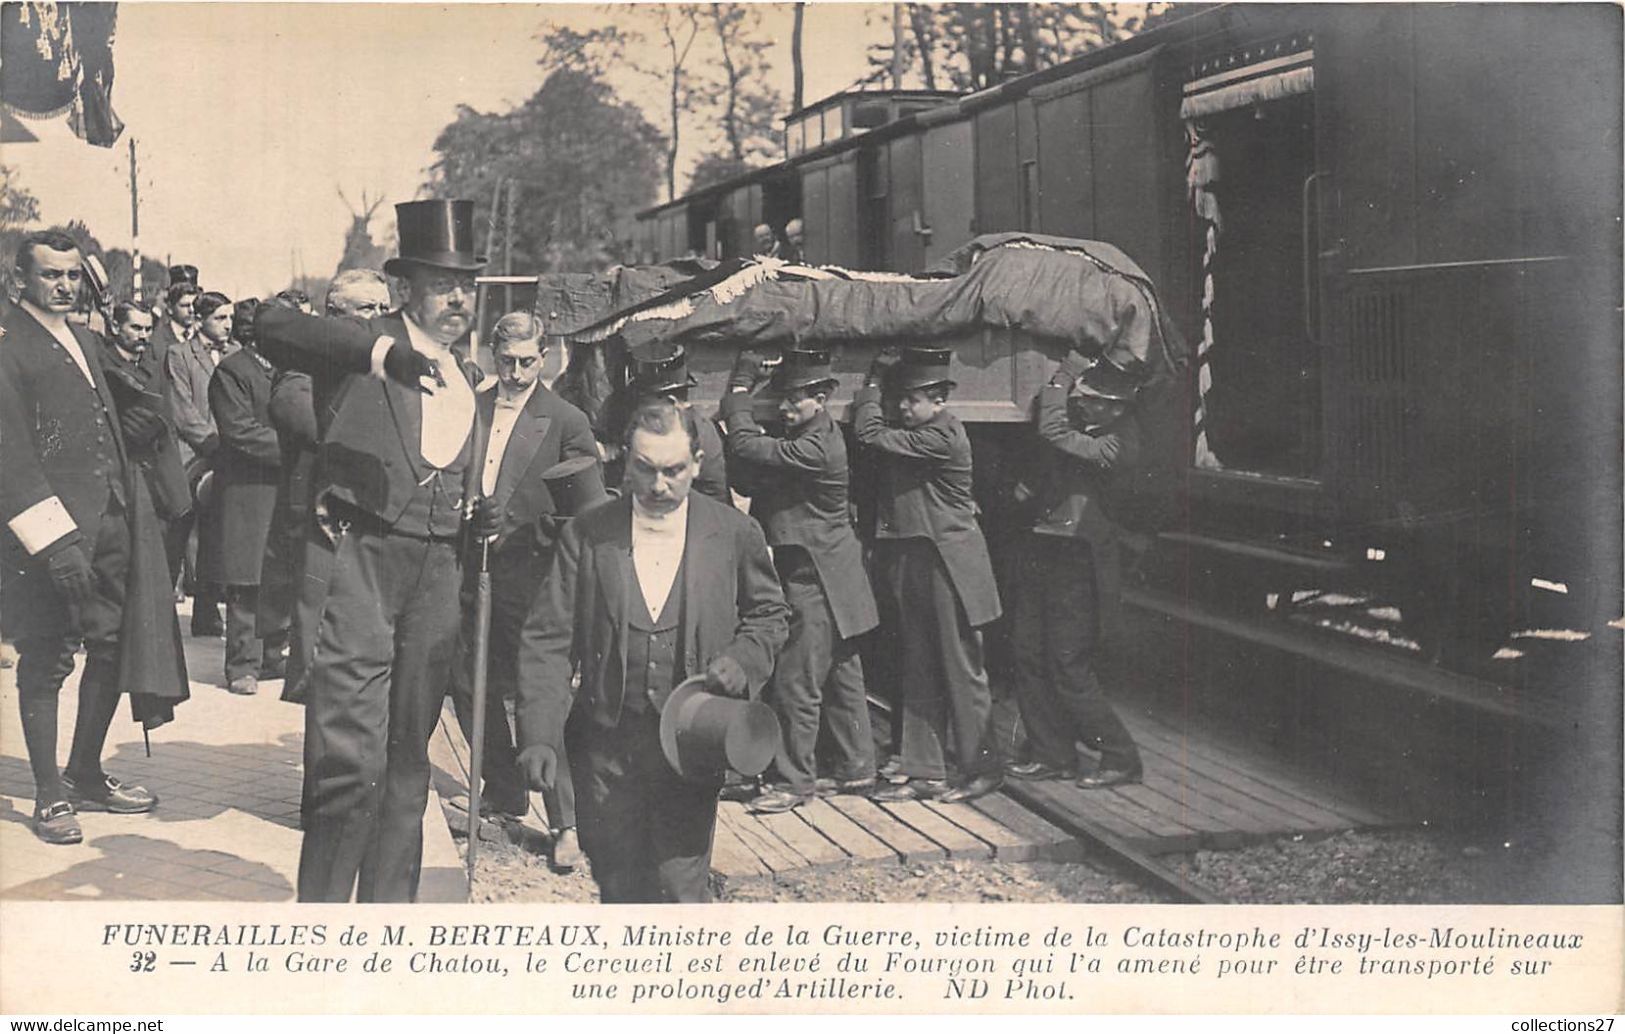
{"x":398,"y":466}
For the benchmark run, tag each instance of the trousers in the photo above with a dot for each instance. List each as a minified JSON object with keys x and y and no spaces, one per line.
{"x":645,"y":829}
{"x":1055,"y":628}
{"x":817,"y":685}
{"x":946,"y":699}
{"x":383,"y":652}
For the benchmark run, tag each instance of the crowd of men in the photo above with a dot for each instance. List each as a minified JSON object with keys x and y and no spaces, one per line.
{"x":340,"y":482}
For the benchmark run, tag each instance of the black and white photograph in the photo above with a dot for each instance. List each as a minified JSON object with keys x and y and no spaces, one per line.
{"x":746,"y":454}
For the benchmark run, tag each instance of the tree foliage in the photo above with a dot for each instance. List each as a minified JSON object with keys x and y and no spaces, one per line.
{"x":750,"y":106}
{"x":584,"y":162}
{"x":974,"y":46}
{"x":18,"y":206}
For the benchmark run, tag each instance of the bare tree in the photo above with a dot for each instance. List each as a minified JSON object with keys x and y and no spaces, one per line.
{"x":360,"y":251}
{"x":797,"y":75}
{"x":679,"y":25}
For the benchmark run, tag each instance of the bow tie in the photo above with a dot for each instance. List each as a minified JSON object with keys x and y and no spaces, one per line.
{"x":505,"y":403}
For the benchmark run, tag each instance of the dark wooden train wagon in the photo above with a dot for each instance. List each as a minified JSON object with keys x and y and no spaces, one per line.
{"x":1391,"y":233}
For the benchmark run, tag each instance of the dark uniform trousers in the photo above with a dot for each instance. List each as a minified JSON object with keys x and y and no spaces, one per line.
{"x":817,"y":682}
{"x":51,"y":637}
{"x":515,"y":575}
{"x":646,"y":830}
{"x":383,"y":655}
{"x":946,"y":698}
{"x":1055,"y":629}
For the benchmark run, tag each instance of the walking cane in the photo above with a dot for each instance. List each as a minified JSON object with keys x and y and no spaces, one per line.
{"x":476,"y":736}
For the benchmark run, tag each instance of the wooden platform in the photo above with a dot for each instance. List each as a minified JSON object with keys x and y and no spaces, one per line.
{"x":1199,"y":792}
{"x":855,"y":830}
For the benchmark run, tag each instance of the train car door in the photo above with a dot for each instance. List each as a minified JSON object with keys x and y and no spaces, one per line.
{"x":948,"y":188}
{"x":1249,"y":118}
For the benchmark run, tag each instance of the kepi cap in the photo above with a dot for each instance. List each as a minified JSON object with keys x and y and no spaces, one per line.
{"x":924,"y":368}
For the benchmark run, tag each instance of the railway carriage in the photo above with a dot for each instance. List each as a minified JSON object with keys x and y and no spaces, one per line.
{"x":1391,"y":234}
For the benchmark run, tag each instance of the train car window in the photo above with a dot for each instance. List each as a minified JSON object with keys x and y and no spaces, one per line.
{"x":1252,"y":131}
{"x":834,"y":123}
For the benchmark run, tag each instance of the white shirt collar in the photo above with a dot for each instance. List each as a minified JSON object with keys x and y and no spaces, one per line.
{"x":673,"y":523}
{"x":504,"y":400}
{"x":52,"y":321}
{"x":421,"y":340}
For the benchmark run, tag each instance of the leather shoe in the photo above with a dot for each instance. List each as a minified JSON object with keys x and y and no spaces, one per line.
{"x":741,"y":791}
{"x":825,"y":787}
{"x":892,"y":771}
{"x":913,"y":790}
{"x":56,"y":824}
{"x":244,"y":685}
{"x":977,"y":786}
{"x":1104,"y":778}
{"x":566,"y":852}
{"x":108,"y":794}
{"x":1039,"y":771}
{"x":779,"y":800}
{"x":275,"y":669}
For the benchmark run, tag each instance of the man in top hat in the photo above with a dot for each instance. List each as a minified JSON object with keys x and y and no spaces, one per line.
{"x":798,"y":487}
{"x":530,"y":432}
{"x":660,"y":584}
{"x":934,"y":576}
{"x":359,"y":293}
{"x":661,"y":371}
{"x":248,"y":468}
{"x":1066,"y":574}
{"x":82,"y":554}
{"x":398,"y":466}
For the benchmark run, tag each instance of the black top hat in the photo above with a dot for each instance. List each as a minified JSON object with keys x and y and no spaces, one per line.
{"x":435,"y":233}
{"x":661,"y":369}
{"x":183,"y":274}
{"x":804,"y":368}
{"x":924,"y":368}
{"x":575,"y":484}
{"x":1103,"y":380}
{"x":703,"y":735}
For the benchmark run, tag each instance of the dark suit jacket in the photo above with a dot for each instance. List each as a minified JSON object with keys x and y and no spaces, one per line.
{"x":547,"y":431}
{"x":730,"y":604}
{"x":141,"y":384}
{"x":370,"y":455}
{"x":1076,"y":467}
{"x":248,"y":464}
{"x":798,"y":489}
{"x":292,"y":412}
{"x":925,"y":492}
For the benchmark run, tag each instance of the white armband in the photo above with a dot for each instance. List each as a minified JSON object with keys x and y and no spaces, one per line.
{"x":42,"y":524}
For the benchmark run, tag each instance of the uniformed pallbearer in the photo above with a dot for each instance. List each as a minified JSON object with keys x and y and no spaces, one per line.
{"x":1065,"y":567}
{"x":932,"y":562}
{"x":798,"y":487}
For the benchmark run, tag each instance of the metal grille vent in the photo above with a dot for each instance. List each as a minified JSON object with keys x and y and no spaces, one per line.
{"x":1373,"y":441}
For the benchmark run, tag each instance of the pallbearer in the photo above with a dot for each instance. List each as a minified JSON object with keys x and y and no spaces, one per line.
{"x":932,"y":561}
{"x":798,"y":485}
{"x":660,"y":371}
{"x":1065,"y":576}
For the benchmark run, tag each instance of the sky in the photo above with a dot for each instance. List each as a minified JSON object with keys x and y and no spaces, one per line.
{"x":249,"y":118}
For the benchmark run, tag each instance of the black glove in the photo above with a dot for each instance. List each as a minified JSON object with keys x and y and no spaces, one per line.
{"x":540,"y":764}
{"x":140,"y":426}
{"x":406,"y":365}
{"x":70,"y":570}
{"x":725,"y":676}
{"x":208,"y":446}
{"x":1071,"y":368}
{"x":751,"y":370}
{"x":487,"y":518}
{"x":880,"y":368}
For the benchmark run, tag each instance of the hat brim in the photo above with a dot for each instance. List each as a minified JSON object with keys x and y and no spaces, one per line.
{"x":918,"y":384}
{"x":644,"y":388}
{"x":804,"y":382}
{"x":685,"y":690}
{"x":454,"y":261}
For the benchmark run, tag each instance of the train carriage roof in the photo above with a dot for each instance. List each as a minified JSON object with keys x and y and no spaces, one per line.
{"x":1085,"y":294}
